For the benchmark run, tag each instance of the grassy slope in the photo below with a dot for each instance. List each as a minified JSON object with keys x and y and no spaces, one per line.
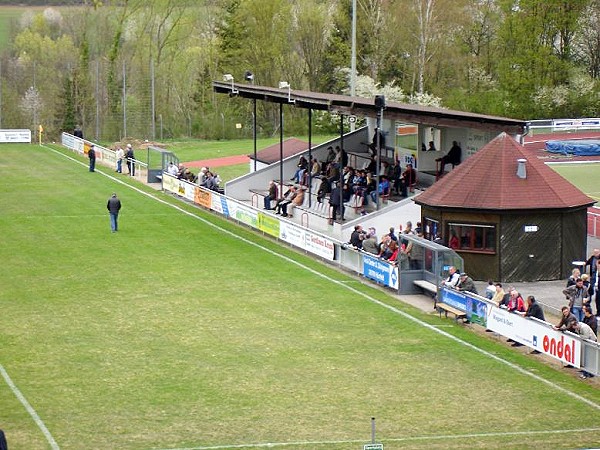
{"x":9,"y":13}
{"x":173,"y":334}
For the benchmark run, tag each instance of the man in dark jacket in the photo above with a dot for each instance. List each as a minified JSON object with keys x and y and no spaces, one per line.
{"x":130,"y":158}
{"x":114,"y":206}
{"x":567,"y":321}
{"x":92,"y":157}
{"x":534,"y":309}
{"x":590,"y":319}
{"x":336,"y":202}
{"x":453,"y":157}
{"x":466,"y":284}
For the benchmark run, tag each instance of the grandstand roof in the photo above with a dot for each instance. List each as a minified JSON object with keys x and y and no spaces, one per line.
{"x":365,"y":107}
{"x":291,"y":147}
{"x":488,"y":180}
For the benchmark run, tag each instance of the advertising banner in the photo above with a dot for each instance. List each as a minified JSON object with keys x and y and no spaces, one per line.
{"x":170,"y":184}
{"x":15,"y":136}
{"x":454,"y":298}
{"x":68,"y":141}
{"x":246,"y":215}
{"x":291,"y":234}
{"x":268,"y":224}
{"x":477,"y":311}
{"x":319,"y":245}
{"x":539,"y":336}
{"x":380,"y":271}
{"x":189,"y":190}
{"x":202,"y":197}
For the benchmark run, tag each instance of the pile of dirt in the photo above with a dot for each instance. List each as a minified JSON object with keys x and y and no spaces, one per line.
{"x":138,"y":144}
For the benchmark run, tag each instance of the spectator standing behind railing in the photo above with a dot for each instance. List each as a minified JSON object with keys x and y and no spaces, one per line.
{"x":533,"y":309}
{"x":595,"y":283}
{"x":119,"y":155}
{"x":452,"y":279}
{"x":370,"y":244}
{"x":584,"y":330}
{"x":172,"y":169}
{"x":466,"y":284}
{"x":515,"y":302}
{"x":130,"y":160}
{"x":590,"y":319}
{"x":577,"y":296}
{"x":336,"y":202}
{"x":92,"y":157}
{"x":357,"y":237}
{"x":490,"y":290}
{"x":567,"y":321}
{"x":575,"y":273}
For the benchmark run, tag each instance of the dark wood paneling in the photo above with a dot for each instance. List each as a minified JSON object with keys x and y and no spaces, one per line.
{"x":574,"y":238}
{"x":481,"y":266}
{"x":531,"y":256}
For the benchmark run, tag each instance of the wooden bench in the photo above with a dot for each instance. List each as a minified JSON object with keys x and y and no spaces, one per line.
{"x":444,"y":308}
{"x":426,"y":286}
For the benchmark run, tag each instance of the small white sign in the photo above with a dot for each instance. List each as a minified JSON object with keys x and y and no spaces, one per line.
{"x":531,"y":228}
{"x":373,"y":447}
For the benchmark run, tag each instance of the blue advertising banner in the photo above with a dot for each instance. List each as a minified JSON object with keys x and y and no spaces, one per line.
{"x":454,"y":298}
{"x":477,"y":311}
{"x":380,"y":271}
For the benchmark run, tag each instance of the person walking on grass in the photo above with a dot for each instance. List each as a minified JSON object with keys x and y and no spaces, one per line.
{"x":113,"y":206}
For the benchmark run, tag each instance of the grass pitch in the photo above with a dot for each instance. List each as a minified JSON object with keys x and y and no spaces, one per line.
{"x":184,"y":331}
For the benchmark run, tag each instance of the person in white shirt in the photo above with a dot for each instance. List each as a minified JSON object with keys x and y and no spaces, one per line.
{"x":453,"y":278}
{"x":119,"y":154}
{"x":172,"y":169}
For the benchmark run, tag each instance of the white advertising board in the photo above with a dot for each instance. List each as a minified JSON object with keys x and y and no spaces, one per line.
{"x":306,"y":240}
{"x":536,"y":335}
{"x":15,"y":136}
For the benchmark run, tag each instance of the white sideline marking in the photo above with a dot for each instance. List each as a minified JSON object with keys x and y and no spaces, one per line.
{"x":41,"y":425}
{"x":78,"y":216}
{"x":404,"y":439}
{"x":29,"y":408}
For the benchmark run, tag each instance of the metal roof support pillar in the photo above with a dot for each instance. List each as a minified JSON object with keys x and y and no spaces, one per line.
{"x":281,"y":149}
{"x":341,"y":164}
{"x":380,"y":104}
{"x":309,"y":157}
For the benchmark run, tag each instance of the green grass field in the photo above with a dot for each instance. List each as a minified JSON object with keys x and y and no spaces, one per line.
{"x":584,"y":176}
{"x":185,"y":331}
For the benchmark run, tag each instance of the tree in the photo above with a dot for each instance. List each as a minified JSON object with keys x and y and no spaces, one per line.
{"x":312,"y":30}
